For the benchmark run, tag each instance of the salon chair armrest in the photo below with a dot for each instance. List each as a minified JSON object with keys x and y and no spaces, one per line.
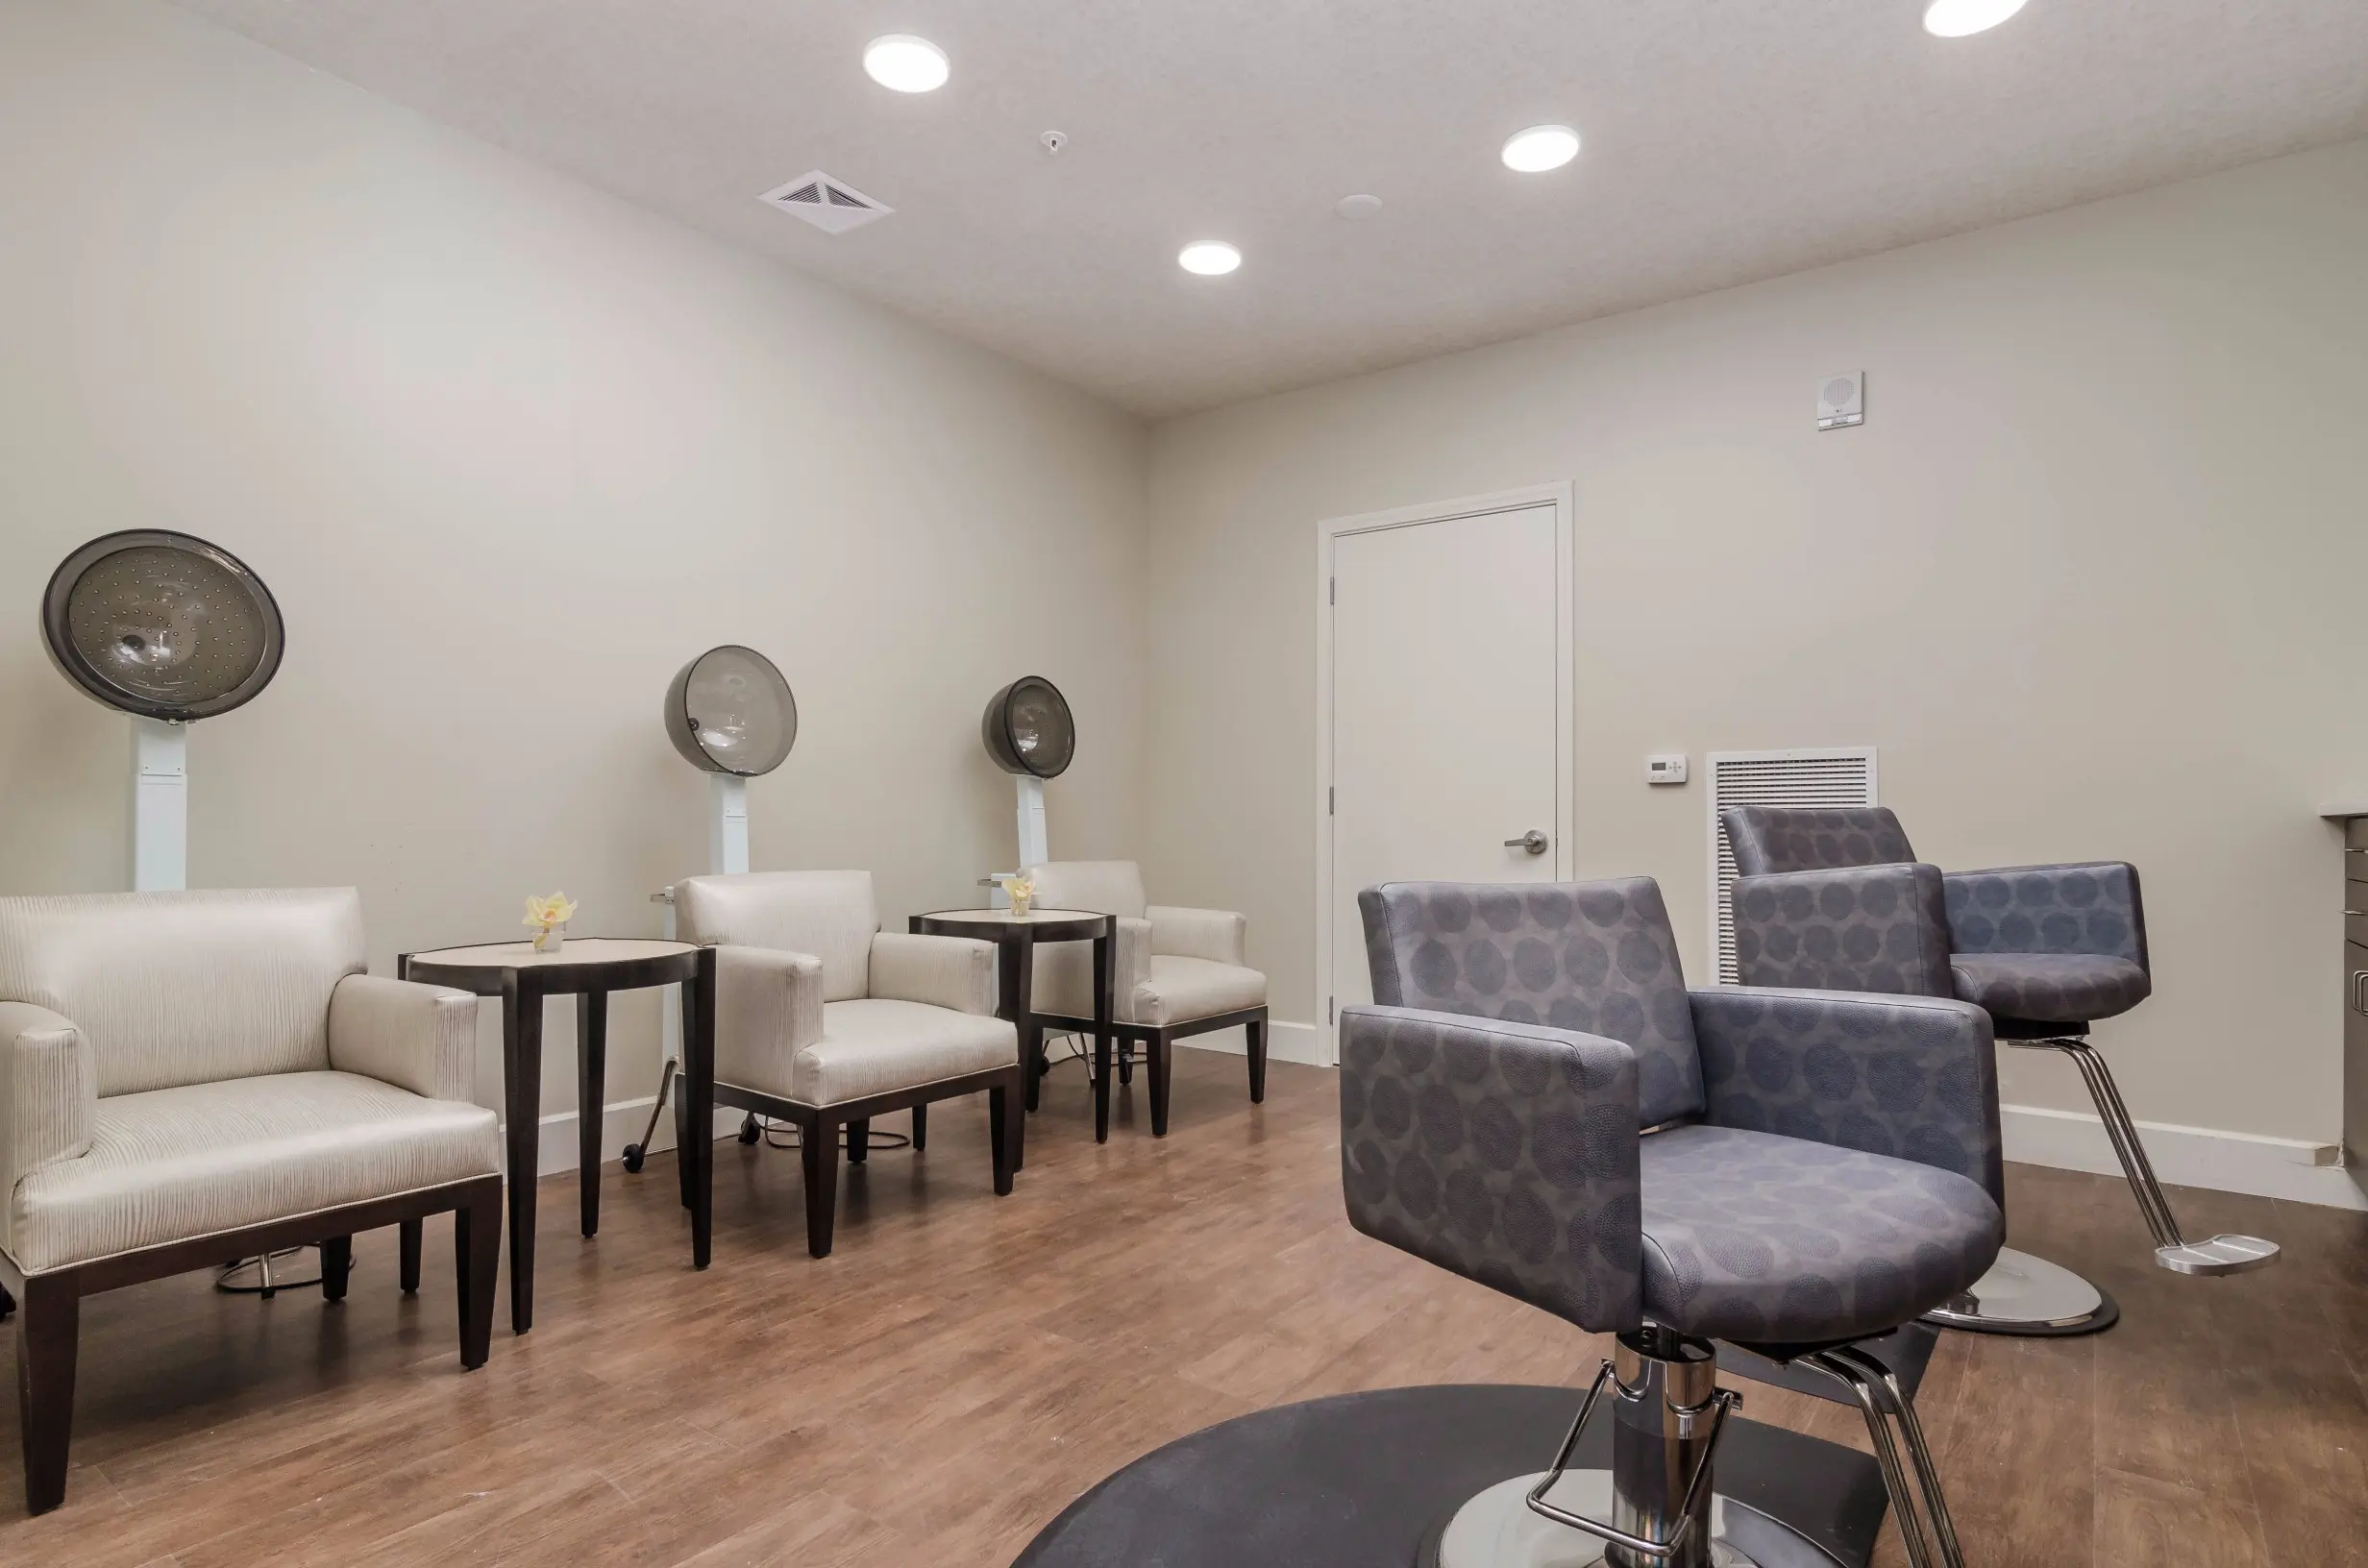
{"x":415,"y":1037}
{"x":1882,"y":928}
{"x":2092,"y":907}
{"x":48,"y":1098}
{"x":1219,"y":935}
{"x":1505,"y":1152}
{"x":768,"y":1008}
{"x":1914,"y":1077}
{"x":944,"y":972}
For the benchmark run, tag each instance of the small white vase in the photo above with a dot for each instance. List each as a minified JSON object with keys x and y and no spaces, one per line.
{"x":550,"y":939}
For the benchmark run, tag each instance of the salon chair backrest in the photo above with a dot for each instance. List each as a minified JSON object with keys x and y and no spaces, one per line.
{"x":831,"y":915}
{"x":1771,"y":839}
{"x":1594,"y":957}
{"x":170,"y":989}
{"x":1106,"y":887}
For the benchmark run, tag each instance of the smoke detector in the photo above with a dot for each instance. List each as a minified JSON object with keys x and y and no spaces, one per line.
{"x":832,"y":205}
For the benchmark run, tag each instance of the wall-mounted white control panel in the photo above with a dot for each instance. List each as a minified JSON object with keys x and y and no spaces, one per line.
{"x":1841,"y":401}
{"x":1665,"y":767}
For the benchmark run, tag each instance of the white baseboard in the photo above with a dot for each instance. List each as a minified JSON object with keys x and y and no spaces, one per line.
{"x":1285,"y":1042}
{"x":2267,"y":1167}
{"x":621,"y":1123}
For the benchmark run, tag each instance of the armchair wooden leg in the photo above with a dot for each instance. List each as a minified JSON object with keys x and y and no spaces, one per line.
{"x":921,"y":1128}
{"x":409,"y":1234}
{"x":1101,"y":1085}
{"x":7,"y":1303}
{"x":336,"y":1266}
{"x":48,"y":1323}
{"x":1256,"y":1032}
{"x":1127,"y":1062}
{"x":1006,"y":1126}
{"x":858,"y":1140}
{"x":1161,"y":1057}
{"x":477,"y":1262}
{"x":817,"y":1151}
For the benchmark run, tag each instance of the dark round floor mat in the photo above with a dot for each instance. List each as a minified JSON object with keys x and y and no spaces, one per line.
{"x":1359,"y":1479}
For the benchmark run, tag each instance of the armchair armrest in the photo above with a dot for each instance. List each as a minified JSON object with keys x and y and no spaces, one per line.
{"x":48,"y":1096}
{"x":1880,"y":928}
{"x":2092,"y":907}
{"x":1915,"y":1077}
{"x":944,"y":972}
{"x":1505,"y":1152}
{"x":400,"y":1032}
{"x":768,"y":1008}
{"x":1219,"y":935}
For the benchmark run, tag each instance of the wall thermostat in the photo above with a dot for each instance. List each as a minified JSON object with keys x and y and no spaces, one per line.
{"x":1841,"y":401}
{"x":1665,"y":767}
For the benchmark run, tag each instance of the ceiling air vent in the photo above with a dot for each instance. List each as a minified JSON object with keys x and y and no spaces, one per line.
{"x":832,"y":205}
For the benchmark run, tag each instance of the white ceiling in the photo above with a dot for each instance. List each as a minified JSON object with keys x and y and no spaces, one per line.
{"x":1726,"y":140}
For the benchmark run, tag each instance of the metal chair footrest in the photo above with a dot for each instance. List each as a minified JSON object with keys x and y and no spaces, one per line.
{"x":1721,"y":1402}
{"x":2221,"y":1254}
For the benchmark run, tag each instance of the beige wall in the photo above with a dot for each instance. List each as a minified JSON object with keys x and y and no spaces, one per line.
{"x":509,"y":452}
{"x":2090,"y":577}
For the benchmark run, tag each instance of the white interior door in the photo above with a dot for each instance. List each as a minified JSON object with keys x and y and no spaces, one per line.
{"x":1449,"y":711}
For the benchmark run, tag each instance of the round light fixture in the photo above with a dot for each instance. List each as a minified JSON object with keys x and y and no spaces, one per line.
{"x":903,"y":63}
{"x":1544,"y":147}
{"x":1209,"y":257}
{"x":1962,"y":18}
{"x":1357,"y":206}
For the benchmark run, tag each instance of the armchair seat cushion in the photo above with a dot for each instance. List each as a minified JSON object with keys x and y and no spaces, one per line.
{"x":1775,"y":1240}
{"x":170,"y":1164}
{"x":2049,"y":987}
{"x":1181,"y":989}
{"x":876,"y":1046}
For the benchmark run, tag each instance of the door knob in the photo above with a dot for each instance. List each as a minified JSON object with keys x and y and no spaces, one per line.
{"x":1533,"y":841}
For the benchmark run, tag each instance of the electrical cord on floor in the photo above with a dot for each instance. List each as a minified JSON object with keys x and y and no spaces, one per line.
{"x":771,"y":1131}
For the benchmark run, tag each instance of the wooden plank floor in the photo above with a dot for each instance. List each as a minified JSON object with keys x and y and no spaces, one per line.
{"x":963,"y":1367}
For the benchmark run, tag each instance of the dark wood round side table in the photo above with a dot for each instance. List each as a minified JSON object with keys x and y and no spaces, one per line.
{"x":589,"y":968}
{"x":1016,"y":937}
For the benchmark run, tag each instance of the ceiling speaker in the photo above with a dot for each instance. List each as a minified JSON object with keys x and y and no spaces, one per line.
{"x":1029,"y":730}
{"x":161,"y":625}
{"x":728,"y":711}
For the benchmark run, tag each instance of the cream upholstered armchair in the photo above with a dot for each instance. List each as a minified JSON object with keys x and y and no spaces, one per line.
{"x":1172,"y":972}
{"x":825,"y":1021}
{"x":186,"y":1077}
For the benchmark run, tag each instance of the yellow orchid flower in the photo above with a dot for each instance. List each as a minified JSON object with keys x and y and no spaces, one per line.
{"x":543,"y":913}
{"x":1020,"y":889}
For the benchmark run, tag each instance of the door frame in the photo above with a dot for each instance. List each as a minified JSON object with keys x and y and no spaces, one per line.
{"x":1329,"y":533}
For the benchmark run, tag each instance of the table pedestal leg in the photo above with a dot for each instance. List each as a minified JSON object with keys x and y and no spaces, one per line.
{"x":699,"y":1093}
{"x":522,"y":1078}
{"x":591,"y":1073}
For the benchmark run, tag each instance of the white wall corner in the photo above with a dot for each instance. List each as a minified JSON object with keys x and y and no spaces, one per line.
{"x":2291,"y":1168}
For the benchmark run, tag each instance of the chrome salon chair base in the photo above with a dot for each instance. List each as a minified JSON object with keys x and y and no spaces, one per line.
{"x":2025,"y":1295}
{"x":1656,"y":1507}
{"x":1497,"y":1530}
{"x":2029,"y":1296}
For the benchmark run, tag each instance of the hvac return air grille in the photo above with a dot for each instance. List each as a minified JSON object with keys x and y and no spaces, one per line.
{"x":832,"y":205}
{"x":1773,"y":778}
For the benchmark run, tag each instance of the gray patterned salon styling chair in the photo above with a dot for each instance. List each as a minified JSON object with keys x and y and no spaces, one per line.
{"x":1835,"y":900}
{"x":1537,"y":1102}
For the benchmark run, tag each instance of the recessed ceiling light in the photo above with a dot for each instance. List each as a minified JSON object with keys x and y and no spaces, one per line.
{"x":905,"y":63}
{"x":1357,"y":206}
{"x":1209,"y":257}
{"x":1544,"y":147}
{"x":1961,"y":18}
